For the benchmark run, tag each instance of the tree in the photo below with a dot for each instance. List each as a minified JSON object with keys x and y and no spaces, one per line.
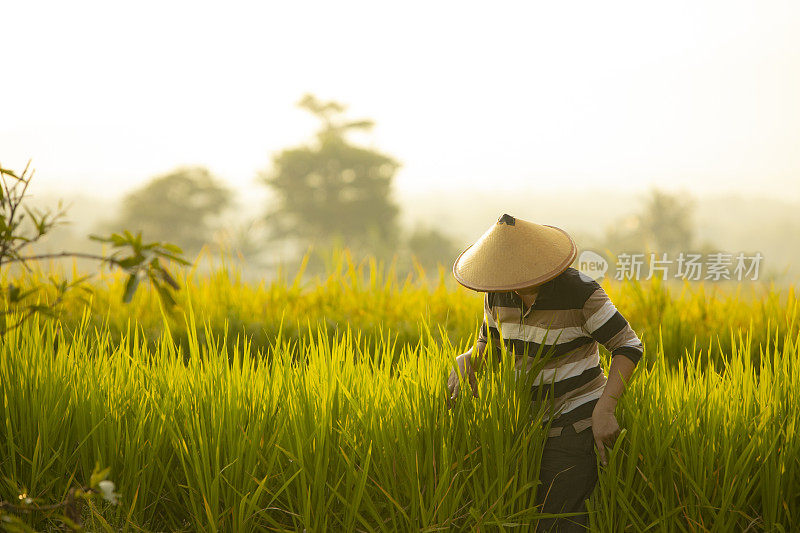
{"x":665,"y":225}
{"x":432,"y":248}
{"x":179,"y":205}
{"x":668,"y":221}
{"x":333,"y":191}
{"x":18,"y":233}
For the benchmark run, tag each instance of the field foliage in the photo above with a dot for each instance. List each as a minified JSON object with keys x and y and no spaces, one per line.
{"x":319,"y":405}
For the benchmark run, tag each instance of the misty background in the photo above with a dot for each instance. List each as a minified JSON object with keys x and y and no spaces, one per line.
{"x":261,"y":129}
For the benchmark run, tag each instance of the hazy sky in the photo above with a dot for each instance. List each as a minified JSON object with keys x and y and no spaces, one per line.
{"x":490,"y":95}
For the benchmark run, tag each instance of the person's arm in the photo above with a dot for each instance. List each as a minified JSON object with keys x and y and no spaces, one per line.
{"x":476,"y":360}
{"x":607,"y":326}
{"x":618,"y":376}
{"x":468,"y":362}
{"x":464,"y":367}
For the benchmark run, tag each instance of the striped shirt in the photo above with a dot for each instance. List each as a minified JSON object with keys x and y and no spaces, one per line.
{"x":579,"y":315}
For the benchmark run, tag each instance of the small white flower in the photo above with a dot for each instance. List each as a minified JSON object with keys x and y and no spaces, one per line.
{"x":107,"y":491}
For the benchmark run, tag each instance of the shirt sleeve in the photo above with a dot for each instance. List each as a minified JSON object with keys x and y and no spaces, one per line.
{"x":605,"y":324}
{"x":483,"y":333}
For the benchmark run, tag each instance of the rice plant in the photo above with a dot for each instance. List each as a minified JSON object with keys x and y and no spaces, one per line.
{"x":321,"y":406}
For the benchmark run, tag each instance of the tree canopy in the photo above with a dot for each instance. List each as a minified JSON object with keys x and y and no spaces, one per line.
{"x":178,"y":206}
{"x":332,"y":190}
{"x":664,"y":224}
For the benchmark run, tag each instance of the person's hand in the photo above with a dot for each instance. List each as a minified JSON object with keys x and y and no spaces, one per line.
{"x":453,"y":386}
{"x":606,"y":431}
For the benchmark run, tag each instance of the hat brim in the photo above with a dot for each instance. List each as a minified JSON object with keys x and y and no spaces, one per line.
{"x":485,"y":285}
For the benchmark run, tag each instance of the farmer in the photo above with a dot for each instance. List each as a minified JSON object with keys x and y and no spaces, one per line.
{"x":524,"y":270}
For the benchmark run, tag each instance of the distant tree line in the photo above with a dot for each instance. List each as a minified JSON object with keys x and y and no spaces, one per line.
{"x":327,"y":193}
{"x":330,"y":193}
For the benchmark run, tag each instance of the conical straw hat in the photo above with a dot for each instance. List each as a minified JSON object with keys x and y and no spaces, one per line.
{"x":514,"y":254}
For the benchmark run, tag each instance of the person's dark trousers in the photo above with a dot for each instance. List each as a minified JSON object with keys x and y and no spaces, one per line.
{"x":568,"y":475}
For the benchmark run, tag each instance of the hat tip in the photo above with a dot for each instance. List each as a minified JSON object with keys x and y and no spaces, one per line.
{"x":506,"y":219}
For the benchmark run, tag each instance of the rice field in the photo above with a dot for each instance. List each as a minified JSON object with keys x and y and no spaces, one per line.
{"x":319,"y":405}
